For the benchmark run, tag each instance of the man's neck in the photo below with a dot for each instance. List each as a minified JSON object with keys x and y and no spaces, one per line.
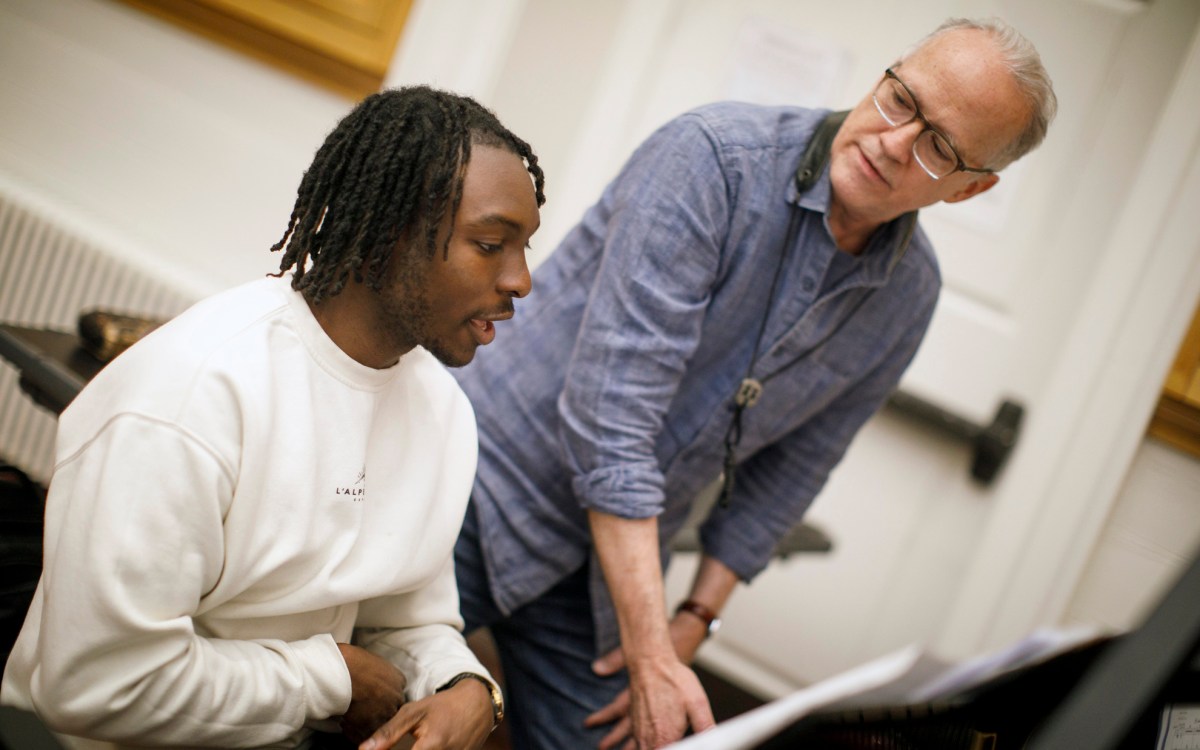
{"x":850,"y":234}
{"x":347,"y":319}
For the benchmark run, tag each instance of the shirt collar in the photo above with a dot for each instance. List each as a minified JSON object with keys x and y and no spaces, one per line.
{"x":887,"y":246}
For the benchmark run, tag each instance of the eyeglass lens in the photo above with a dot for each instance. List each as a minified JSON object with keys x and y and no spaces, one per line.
{"x":933,"y":151}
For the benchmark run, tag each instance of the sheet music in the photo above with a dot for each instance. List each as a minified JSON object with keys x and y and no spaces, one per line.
{"x":909,"y":675}
{"x":1039,"y":645}
{"x":749,"y":729}
{"x":1179,"y":728}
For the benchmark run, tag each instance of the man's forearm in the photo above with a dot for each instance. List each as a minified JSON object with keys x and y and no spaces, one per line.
{"x":665,"y":696}
{"x":713,"y":584}
{"x":629,"y":555}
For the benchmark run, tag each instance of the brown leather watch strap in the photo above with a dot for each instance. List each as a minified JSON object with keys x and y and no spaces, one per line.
{"x":710,"y":618}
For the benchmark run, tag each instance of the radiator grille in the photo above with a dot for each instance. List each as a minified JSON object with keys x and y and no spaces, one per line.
{"x":50,"y":272}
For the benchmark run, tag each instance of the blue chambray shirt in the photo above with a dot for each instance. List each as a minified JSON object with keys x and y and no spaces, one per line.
{"x":612,"y":389}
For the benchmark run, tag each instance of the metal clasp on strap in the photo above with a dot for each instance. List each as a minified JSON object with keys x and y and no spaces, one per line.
{"x":748,"y":392}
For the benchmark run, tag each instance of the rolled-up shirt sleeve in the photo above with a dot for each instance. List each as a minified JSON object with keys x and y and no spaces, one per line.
{"x":663,"y":221}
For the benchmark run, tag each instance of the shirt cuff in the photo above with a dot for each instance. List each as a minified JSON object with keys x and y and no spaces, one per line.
{"x":625,"y":492}
{"x":327,"y":680}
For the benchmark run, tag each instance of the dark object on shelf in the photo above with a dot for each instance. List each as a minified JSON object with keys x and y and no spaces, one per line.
{"x":106,"y":334}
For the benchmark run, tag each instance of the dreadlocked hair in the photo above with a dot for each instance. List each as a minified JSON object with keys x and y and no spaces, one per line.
{"x":392,"y":169}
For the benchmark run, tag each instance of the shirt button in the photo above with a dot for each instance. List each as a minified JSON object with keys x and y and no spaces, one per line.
{"x":807,"y":284}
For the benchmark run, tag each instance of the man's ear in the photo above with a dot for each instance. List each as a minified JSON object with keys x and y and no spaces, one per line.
{"x":980,"y":184}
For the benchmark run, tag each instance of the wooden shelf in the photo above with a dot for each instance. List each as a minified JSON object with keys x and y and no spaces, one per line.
{"x":1177,"y":419}
{"x":343,"y":45}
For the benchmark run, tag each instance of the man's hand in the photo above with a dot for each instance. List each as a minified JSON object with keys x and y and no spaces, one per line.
{"x":459,"y":718}
{"x":665,"y":696}
{"x":376,"y":692}
{"x":687,"y":633}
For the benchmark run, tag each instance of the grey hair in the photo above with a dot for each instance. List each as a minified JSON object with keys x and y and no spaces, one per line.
{"x":1025,"y":65}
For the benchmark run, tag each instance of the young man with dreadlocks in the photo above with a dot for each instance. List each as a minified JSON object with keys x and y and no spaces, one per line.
{"x":250,"y":526}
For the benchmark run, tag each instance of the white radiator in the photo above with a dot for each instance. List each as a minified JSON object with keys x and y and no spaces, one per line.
{"x":50,"y":272}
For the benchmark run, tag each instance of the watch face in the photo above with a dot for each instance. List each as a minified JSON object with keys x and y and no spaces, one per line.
{"x":714,"y":626}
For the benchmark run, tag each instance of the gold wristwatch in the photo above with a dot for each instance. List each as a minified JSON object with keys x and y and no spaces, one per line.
{"x":493,"y":693}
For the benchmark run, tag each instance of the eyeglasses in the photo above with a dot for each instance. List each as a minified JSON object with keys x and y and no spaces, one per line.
{"x":898,"y":106}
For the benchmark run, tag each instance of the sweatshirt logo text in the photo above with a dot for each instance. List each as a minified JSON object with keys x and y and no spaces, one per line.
{"x":356,"y":492}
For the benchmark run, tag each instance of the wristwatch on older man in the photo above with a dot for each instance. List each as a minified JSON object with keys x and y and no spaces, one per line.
{"x":711,"y":621}
{"x":493,"y":693}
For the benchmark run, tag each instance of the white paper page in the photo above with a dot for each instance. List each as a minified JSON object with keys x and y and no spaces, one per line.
{"x":1180,"y":728}
{"x":1038,"y":646}
{"x":755,"y":726}
{"x":903,"y":677}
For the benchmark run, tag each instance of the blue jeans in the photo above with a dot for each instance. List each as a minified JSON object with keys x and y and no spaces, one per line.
{"x":546,"y":651}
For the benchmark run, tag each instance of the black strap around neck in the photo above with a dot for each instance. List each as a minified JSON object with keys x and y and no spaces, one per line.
{"x":816,"y":154}
{"x":812,"y":164}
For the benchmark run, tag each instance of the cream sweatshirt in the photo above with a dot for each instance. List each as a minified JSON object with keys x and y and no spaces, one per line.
{"x":233,"y":496}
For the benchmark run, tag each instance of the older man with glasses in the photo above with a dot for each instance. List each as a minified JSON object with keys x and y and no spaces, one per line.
{"x":744,"y":295}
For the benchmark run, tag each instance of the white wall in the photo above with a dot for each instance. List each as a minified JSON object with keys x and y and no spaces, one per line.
{"x":186,"y":153}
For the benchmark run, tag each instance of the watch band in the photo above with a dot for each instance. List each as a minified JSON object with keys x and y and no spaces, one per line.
{"x":711,"y":621}
{"x":493,"y":693}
